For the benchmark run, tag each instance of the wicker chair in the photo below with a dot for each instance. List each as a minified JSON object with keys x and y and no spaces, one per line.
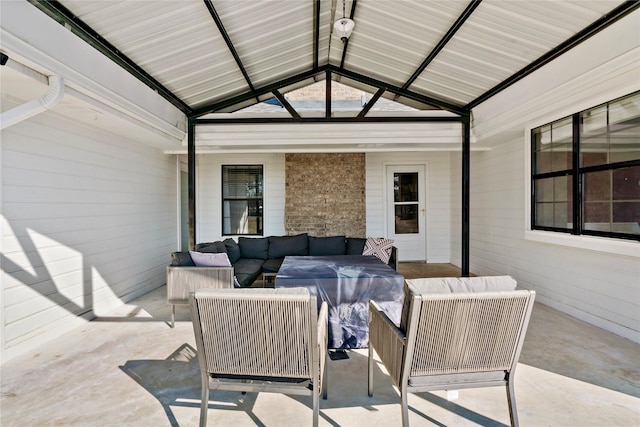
{"x":451,"y":341}
{"x":270,"y":340}
{"x":181,"y":281}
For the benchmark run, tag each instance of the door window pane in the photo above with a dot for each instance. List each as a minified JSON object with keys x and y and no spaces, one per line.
{"x":405,"y":187}
{"x":406,"y":219}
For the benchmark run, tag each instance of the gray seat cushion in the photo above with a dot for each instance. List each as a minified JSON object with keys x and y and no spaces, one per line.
{"x":272,"y":265}
{"x":247,"y":270}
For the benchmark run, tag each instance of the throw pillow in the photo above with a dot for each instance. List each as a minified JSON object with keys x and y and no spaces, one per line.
{"x":210,"y":259}
{"x":181,"y":259}
{"x":233,"y":250}
{"x":355,"y":245}
{"x":326,"y":246}
{"x":212,"y":247}
{"x":380,"y":248}
{"x":282,"y":246}
{"x":254,"y":247}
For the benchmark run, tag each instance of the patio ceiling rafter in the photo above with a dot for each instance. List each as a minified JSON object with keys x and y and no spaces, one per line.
{"x":230,"y":46}
{"x":316,"y":33}
{"x":238,"y":99}
{"x":281,"y":120}
{"x":230,"y":102}
{"x":427,"y":100}
{"x":599,"y":25}
{"x":345,"y":45}
{"x":473,"y":4}
{"x":62,"y":15}
{"x":372,"y":101}
{"x":286,"y":104}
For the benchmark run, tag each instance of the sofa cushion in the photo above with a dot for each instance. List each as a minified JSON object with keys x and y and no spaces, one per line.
{"x":379,"y":248}
{"x":355,"y":245}
{"x":210,"y":259}
{"x":211,"y":247}
{"x":247,"y":270}
{"x":272,"y":265}
{"x":181,"y":259}
{"x":282,"y":246}
{"x":233,"y":250}
{"x":254,"y":247}
{"x":449,"y":285}
{"x":326,"y":246}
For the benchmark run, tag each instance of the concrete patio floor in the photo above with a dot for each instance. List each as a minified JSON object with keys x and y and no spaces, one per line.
{"x":130,"y":369}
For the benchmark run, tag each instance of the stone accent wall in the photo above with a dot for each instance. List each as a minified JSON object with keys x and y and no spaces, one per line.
{"x":325,"y":194}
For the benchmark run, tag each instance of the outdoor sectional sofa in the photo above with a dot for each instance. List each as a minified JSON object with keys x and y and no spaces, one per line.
{"x":252,"y":256}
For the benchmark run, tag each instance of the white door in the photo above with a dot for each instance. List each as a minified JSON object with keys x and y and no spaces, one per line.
{"x":406,"y":214}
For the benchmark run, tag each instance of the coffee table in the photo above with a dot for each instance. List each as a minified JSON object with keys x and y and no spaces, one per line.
{"x":346,"y":283}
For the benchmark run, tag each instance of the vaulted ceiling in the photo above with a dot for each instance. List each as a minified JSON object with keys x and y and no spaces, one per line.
{"x":208,"y":56}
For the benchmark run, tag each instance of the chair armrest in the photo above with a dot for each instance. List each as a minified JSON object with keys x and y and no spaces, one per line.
{"x":323,"y":340}
{"x":183,"y":280}
{"x":387,"y":340}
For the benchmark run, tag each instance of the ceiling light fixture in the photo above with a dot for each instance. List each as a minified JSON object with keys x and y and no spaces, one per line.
{"x":344,"y":26}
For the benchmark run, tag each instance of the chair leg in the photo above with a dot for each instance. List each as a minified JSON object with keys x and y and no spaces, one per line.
{"x":370,"y":373}
{"x":405,"y":406}
{"x":511,"y":398}
{"x":173,"y":315}
{"x":204,"y":406}
{"x":325,"y":379}
{"x":316,"y":407}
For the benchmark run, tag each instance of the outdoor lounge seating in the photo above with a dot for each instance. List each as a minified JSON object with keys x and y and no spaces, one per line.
{"x":260,"y":340}
{"x":454,"y":334}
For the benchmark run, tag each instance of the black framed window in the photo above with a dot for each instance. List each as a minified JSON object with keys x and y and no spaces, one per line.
{"x":242,"y":189}
{"x":585,"y":172}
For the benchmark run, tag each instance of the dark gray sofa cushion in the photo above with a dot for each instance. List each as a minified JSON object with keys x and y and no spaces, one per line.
{"x":254,"y":247}
{"x":326,"y":246}
{"x":233,"y":250}
{"x":247,"y":270}
{"x":211,"y":247}
{"x":282,"y":246}
{"x":272,"y":265}
{"x":355,"y":245}
{"x":181,"y":259}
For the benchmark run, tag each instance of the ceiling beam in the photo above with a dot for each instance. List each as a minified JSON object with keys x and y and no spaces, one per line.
{"x":229,"y":102}
{"x":230,"y":46}
{"x":316,"y":33}
{"x":281,"y":120}
{"x":286,"y":104}
{"x":619,"y":12}
{"x":345,"y":45}
{"x":371,"y":102}
{"x":80,"y":28}
{"x":457,"y":109}
{"x":443,"y":41}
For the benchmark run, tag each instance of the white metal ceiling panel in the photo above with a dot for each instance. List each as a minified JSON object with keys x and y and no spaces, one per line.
{"x":273,"y":39}
{"x":499,"y":39}
{"x":392,"y":38}
{"x":177,"y":42}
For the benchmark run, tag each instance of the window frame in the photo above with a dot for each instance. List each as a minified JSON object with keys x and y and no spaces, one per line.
{"x":577,"y":174}
{"x":223,"y":199}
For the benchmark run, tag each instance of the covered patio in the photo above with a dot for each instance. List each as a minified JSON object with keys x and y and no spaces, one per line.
{"x":129,"y":368}
{"x":119,"y":118}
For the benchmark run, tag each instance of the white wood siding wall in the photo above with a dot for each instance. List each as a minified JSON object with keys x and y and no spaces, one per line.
{"x":597,"y":286}
{"x":88,"y":222}
{"x":209,"y":192}
{"x":438,"y":203}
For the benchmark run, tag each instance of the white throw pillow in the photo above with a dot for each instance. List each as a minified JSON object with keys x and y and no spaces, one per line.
{"x":210,"y":259}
